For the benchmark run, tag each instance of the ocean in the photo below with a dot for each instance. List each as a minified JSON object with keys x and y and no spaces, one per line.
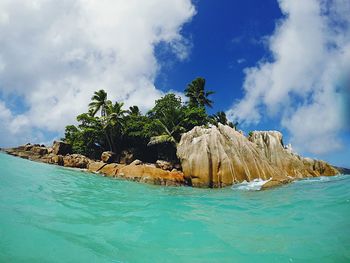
{"x":53,"y":214}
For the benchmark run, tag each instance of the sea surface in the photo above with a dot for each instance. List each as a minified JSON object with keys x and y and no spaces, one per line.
{"x":52,"y":214}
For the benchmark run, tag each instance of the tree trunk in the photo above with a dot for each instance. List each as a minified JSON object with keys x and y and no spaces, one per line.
{"x":109,"y":142}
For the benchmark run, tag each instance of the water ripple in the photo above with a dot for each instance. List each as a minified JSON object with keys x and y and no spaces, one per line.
{"x":51,"y":214}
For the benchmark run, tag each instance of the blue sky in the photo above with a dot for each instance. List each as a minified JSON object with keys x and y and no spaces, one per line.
{"x":227,"y":37}
{"x":273,"y":64}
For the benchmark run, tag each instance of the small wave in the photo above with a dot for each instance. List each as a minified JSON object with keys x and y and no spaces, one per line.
{"x":254,"y":185}
{"x":323,"y":179}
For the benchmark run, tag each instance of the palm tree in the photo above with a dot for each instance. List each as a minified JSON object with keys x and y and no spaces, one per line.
{"x":197,"y":95}
{"x":98,"y":102}
{"x":115,"y":114}
{"x":220,"y":117}
{"x":170,"y":126}
{"x":134,"y":111}
{"x":113,"y":122}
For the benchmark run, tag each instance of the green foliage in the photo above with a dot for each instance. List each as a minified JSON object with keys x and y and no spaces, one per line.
{"x":137,"y":126}
{"x":134,"y":111}
{"x":115,"y":128}
{"x":167,"y":117}
{"x":98,"y":102}
{"x":113,"y":123}
{"x":194,"y":117}
{"x":165,"y":105}
{"x":87,"y":138}
{"x":220,"y":117}
{"x":197,"y":95}
{"x":161,"y":139}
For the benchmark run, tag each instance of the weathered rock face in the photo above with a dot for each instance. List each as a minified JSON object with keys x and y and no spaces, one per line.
{"x":220,"y":156}
{"x":151,"y":175}
{"x":95,"y":166}
{"x":136,"y":162}
{"x":165,"y":165}
{"x":28,"y":147}
{"x":140,"y":173}
{"x":210,"y":157}
{"x":28,"y":151}
{"x":271,"y":144}
{"x":61,"y":148}
{"x":57,"y":159}
{"x":108,"y":157}
{"x":76,"y":161}
{"x":39,"y":150}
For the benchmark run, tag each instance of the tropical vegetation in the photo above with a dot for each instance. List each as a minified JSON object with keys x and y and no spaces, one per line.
{"x":108,"y":126}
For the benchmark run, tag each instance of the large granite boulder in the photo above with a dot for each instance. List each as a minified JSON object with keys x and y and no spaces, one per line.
{"x":28,"y":147}
{"x":39,"y":150}
{"x":271,"y":144}
{"x":165,"y":165}
{"x":136,"y":162}
{"x":57,"y":159}
{"x":61,"y":148}
{"x":108,"y":157}
{"x":95,"y":166}
{"x":220,"y":156}
{"x":34,"y":152}
{"x":76,"y":161}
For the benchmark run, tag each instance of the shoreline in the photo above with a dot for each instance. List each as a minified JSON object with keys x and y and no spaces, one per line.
{"x":136,"y":171}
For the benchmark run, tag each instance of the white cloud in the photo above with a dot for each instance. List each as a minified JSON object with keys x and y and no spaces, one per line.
{"x":303,"y":85}
{"x":55,"y":54}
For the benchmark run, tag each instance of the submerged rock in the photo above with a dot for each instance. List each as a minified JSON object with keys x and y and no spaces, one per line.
{"x":220,"y":156}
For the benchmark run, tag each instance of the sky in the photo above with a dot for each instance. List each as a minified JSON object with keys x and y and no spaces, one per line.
{"x":273,"y":64}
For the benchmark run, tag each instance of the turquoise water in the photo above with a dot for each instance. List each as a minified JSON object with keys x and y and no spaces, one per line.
{"x":52,"y":214}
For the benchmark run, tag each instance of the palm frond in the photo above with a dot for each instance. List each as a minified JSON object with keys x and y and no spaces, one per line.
{"x":156,"y":140}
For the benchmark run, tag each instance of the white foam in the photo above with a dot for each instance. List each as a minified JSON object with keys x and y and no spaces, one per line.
{"x":254,"y":185}
{"x":322,"y":179}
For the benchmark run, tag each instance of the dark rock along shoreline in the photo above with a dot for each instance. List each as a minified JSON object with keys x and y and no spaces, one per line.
{"x":210,"y":157}
{"x":136,"y":171}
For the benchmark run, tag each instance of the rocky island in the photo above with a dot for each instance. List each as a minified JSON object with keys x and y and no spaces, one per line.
{"x":175,"y":144}
{"x":210,"y":157}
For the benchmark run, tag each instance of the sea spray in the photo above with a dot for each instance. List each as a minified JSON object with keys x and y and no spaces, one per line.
{"x":254,"y":185}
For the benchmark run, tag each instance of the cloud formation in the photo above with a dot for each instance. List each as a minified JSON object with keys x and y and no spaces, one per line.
{"x":55,"y":54}
{"x":304,"y":83}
